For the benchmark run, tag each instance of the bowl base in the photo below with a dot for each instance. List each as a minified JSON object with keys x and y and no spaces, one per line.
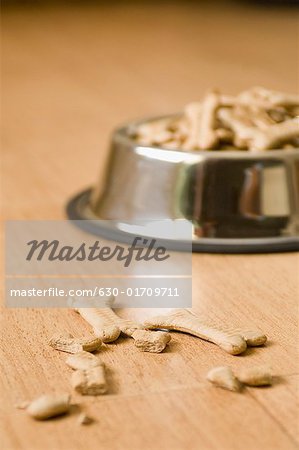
{"x":77,"y":210}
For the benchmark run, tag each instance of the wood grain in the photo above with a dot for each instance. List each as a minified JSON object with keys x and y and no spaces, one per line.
{"x":71,"y":74}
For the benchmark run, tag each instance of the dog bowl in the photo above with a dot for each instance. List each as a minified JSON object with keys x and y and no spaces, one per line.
{"x":236,"y":201}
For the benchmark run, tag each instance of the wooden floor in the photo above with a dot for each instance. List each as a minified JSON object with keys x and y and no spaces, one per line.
{"x":70,"y":74}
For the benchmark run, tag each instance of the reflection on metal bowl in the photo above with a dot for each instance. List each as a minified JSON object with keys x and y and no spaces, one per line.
{"x":237,"y":201}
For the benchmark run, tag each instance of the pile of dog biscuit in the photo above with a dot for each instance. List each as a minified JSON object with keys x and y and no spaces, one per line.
{"x":88,"y":376}
{"x":256,"y":120}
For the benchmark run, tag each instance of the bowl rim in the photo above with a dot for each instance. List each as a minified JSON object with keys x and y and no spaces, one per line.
{"x":121,"y":133}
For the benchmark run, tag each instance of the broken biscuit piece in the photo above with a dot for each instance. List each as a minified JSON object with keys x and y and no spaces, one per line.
{"x":223,"y":377}
{"x":84,"y":419}
{"x":151,"y":341}
{"x":48,"y":406}
{"x":255,"y":376}
{"x":91,"y":381}
{"x":67,"y":343}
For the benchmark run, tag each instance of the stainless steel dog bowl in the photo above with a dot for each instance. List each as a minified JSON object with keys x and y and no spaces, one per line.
{"x":237,"y":201}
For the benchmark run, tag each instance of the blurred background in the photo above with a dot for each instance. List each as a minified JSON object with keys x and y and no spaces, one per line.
{"x":73,"y":71}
